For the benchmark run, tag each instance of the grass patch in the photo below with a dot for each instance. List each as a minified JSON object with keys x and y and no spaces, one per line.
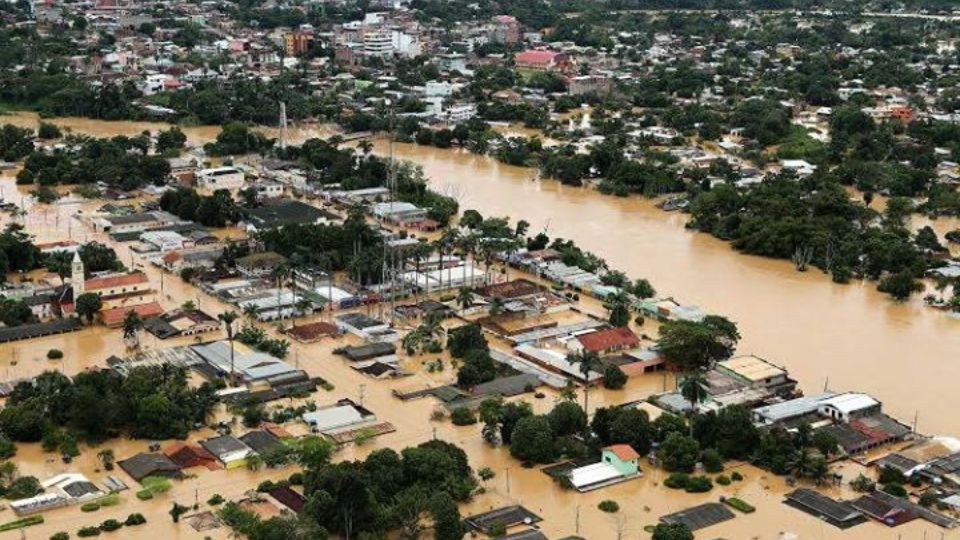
{"x":112,"y":499}
{"x":21,"y":523}
{"x":144,"y":494}
{"x":739,"y":504}
{"x":90,"y":507}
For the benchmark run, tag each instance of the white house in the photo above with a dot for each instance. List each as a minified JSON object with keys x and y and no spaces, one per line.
{"x":848,"y":406}
{"x":220,"y":178}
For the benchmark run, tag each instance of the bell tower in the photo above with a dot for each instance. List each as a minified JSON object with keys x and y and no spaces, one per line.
{"x":77,"y":278}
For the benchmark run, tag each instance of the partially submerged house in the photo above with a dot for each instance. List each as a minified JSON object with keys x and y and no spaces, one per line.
{"x":229,"y":450}
{"x":618,"y":463}
{"x":145,"y":464}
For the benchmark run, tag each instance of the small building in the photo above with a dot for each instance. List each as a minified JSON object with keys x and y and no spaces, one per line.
{"x":759,"y":372}
{"x":618,"y":463}
{"x":848,"y":406}
{"x":608,"y":340}
{"x":541,"y":60}
{"x":220,"y":178}
{"x":232,"y":452}
{"x":260,"y":264}
{"x":261,"y":441}
{"x":144,"y":464}
{"x":181,"y":322}
{"x":187,"y":456}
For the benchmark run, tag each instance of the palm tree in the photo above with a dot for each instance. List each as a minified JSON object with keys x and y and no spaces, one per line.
{"x":106,"y":458}
{"x":694,"y":389}
{"x":465,"y":298}
{"x":618,"y":304}
{"x":587,"y":361}
{"x":801,"y":464}
{"x":302,"y":306}
{"x":131,"y":328}
{"x":227,"y":318}
{"x":496,"y":306}
{"x":281,"y":273}
{"x":365,"y":146}
{"x":250,"y":312}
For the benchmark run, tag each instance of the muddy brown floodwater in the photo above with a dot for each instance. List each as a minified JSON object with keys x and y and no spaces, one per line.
{"x":905,"y":354}
{"x":844,"y":336}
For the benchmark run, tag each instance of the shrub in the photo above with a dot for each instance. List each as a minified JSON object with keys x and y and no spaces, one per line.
{"x":215,"y":500}
{"x":677,"y":481}
{"x":862,"y":484}
{"x":54,"y":354}
{"x":608,"y":506}
{"x":463,"y":416}
{"x":21,"y":523}
{"x":144,"y":494}
{"x":296,"y":479}
{"x":110,"y":525}
{"x":889,"y":475}
{"x":112,"y":499}
{"x":90,"y":507}
{"x":60,"y":536}
{"x":699,"y":484}
{"x":712,"y":461}
{"x":723,"y":480}
{"x":895,"y":489}
{"x":739,"y":504}
{"x":87,"y":532}
{"x":135,"y":519}
{"x":736,"y":476}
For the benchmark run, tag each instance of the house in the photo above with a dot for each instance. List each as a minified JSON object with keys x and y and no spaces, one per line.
{"x":144,"y":464}
{"x":312,"y":332}
{"x":608,"y":340}
{"x":114,"y":317}
{"x":759,"y":372}
{"x":181,"y":322}
{"x":848,"y":406}
{"x":58,"y":491}
{"x":187,"y":456}
{"x":41,"y":305}
{"x":365,"y":327}
{"x":232,"y":452}
{"x":790,"y":411}
{"x":220,"y":178}
{"x":260,"y":264}
{"x":618,"y":463}
{"x":165,"y":240}
{"x":345,"y":413}
{"x":261,"y":441}
{"x":370,"y":351}
{"x":541,"y":60}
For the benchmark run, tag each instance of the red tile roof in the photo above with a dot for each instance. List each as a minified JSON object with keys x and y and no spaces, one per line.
{"x":536,"y":57}
{"x":121,"y":280}
{"x":624,"y":452}
{"x":190,"y":455}
{"x":114,"y":317}
{"x":610,"y":338}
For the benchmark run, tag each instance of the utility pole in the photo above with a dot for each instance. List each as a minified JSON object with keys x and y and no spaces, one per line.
{"x":363,"y":388}
{"x":283,"y":126}
{"x":578,"y":520}
{"x":508,"y":480}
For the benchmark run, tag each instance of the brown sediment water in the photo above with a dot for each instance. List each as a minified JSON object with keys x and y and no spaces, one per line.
{"x":904,"y":354}
{"x":842,"y":336}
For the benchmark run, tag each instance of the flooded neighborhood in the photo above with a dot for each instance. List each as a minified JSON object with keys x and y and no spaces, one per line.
{"x":530,"y":270}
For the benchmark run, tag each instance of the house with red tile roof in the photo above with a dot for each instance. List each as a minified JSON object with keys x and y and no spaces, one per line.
{"x":542,"y":60}
{"x":609,"y":340}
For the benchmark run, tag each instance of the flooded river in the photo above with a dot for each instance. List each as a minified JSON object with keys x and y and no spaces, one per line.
{"x":843,"y":336}
{"x":848,"y":337}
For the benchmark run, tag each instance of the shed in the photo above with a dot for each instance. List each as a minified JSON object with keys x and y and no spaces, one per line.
{"x":143,"y":465}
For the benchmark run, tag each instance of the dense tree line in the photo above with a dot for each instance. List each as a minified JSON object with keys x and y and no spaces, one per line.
{"x":148,"y":403}
{"x":216,"y":210}
{"x":812,"y":221}
{"x":120,"y":161}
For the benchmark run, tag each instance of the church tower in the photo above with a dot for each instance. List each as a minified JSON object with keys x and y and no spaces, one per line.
{"x":77,"y":278}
